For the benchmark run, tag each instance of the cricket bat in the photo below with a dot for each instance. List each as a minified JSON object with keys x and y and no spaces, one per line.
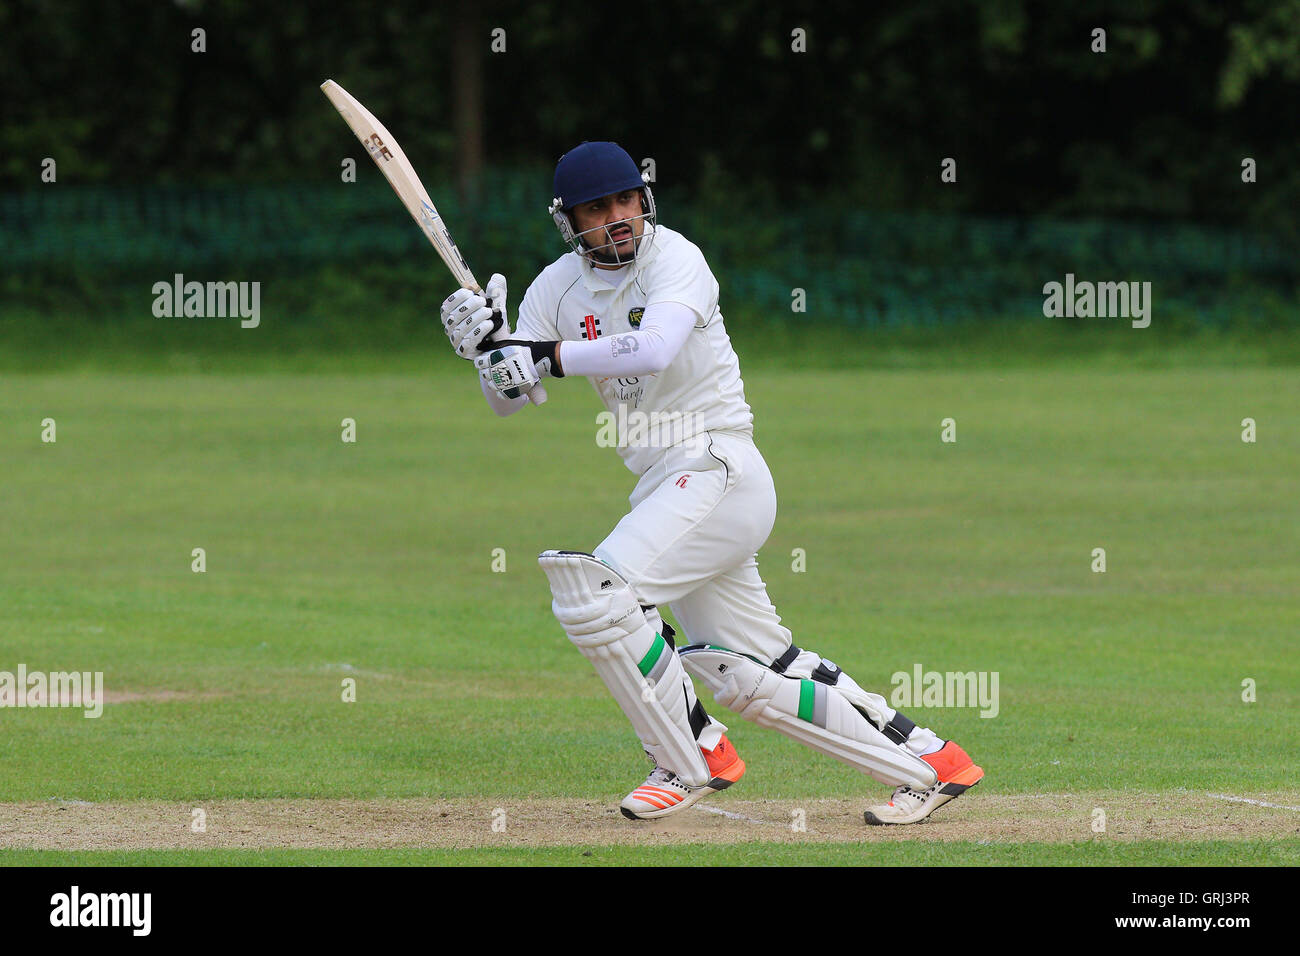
{"x":399,"y":172}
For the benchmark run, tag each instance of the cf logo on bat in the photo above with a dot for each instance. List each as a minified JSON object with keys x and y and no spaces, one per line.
{"x":376,"y":145}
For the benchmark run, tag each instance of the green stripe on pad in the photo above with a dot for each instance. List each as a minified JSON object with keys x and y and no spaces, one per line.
{"x":807,"y":696}
{"x":652,"y":656}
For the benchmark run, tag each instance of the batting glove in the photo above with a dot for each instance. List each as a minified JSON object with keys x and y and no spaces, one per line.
{"x":514,"y":367}
{"x":476,"y":322}
{"x":545,"y":355}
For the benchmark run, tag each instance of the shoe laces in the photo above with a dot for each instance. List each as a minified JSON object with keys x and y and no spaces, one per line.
{"x":661,"y":775}
{"x":917,"y":795}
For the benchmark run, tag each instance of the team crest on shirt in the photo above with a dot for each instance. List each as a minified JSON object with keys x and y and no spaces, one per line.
{"x":590,"y":328}
{"x":634,"y":317}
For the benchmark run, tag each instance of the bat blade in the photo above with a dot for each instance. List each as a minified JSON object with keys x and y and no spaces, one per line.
{"x":397,"y":169}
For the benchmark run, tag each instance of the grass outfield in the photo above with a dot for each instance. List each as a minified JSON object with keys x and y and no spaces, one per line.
{"x":373,"y":562}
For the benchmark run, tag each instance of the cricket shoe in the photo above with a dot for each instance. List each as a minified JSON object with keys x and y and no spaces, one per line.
{"x":957,"y":773}
{"x":664,"y":792}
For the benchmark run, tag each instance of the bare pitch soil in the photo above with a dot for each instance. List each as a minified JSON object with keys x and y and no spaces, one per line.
{"x":455,"y":824}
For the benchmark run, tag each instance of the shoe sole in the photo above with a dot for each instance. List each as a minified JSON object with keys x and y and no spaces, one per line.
{"x":960,"y":783}
{"x":713,"y":786}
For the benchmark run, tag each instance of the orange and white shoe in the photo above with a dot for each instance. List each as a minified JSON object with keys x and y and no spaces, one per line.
{"x":957,"y":773}
{"x":663,"y":791}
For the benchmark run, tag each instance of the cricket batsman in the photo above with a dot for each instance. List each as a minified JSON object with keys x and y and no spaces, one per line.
{"x":633,"y":308}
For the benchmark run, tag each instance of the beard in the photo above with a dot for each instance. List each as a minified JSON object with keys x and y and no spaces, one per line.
{"x":608,"y":254}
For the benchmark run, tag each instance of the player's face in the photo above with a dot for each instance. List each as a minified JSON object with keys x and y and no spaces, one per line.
{"x":612,"y":225}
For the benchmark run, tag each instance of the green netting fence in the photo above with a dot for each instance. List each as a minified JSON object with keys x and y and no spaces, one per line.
{"x":854,"y":267}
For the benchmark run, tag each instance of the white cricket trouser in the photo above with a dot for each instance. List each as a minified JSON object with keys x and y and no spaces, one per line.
{"x":698,"y":518}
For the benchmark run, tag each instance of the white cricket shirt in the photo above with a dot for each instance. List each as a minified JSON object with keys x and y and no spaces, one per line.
{"x":700,"y":389}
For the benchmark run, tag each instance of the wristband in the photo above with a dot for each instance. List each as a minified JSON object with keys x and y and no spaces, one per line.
{"x":546,"y":355}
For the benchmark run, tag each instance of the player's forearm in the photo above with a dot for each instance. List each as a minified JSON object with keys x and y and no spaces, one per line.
{"x":647,"y":351}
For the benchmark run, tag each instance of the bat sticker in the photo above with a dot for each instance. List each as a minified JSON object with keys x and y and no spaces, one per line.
{"x":434,"y":225}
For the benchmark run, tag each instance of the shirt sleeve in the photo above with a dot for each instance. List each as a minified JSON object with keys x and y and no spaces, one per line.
{"x":647,"y":351}
{"x":683,"y":277}
{"x":681,"y":294}
{"x":499,"y":403}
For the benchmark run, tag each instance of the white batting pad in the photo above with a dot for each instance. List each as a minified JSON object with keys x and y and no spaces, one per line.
{"x":604,"y":620}
{"x":809,"y":711}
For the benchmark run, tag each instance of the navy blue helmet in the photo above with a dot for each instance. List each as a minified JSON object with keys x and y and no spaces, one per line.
{"x":589,"y":172}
